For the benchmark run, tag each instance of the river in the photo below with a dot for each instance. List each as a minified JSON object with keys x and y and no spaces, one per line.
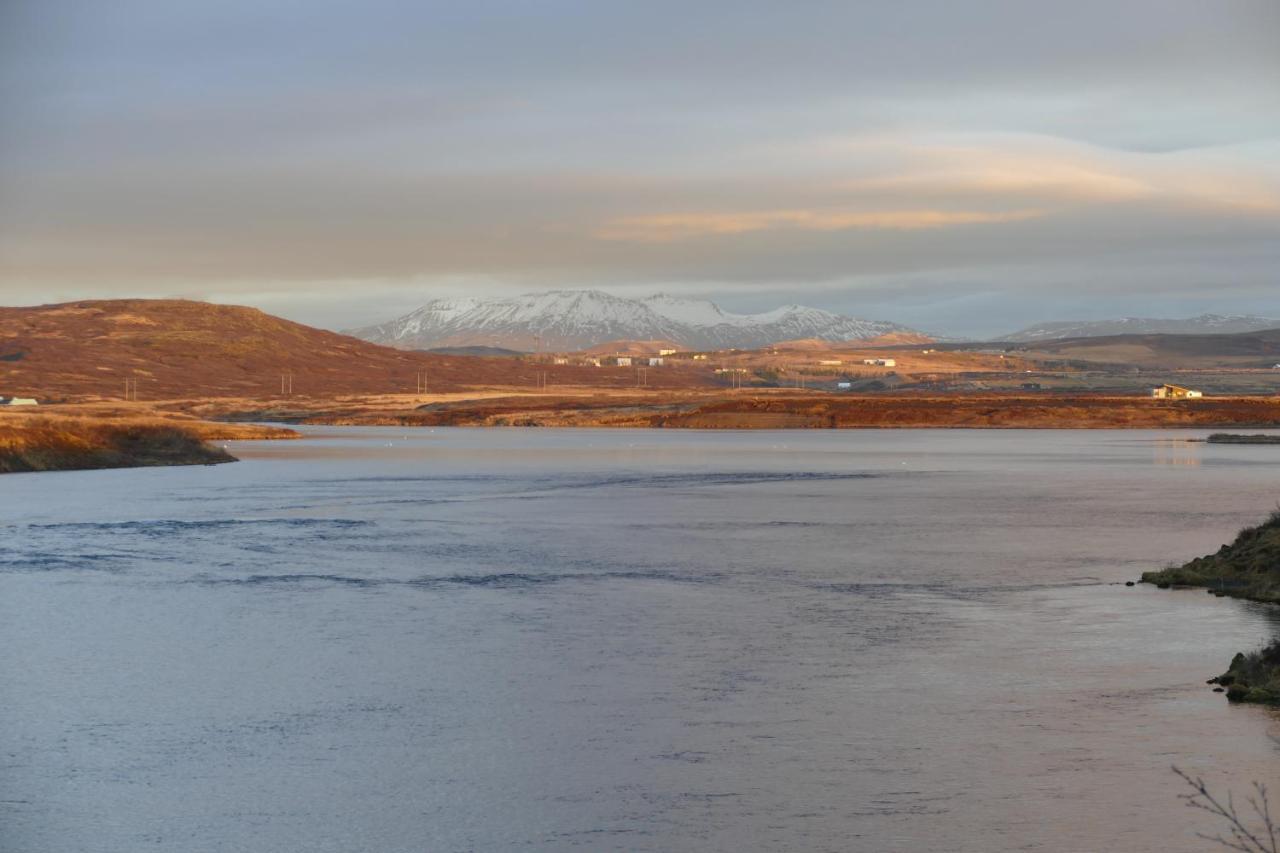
{"x":462,"y":639}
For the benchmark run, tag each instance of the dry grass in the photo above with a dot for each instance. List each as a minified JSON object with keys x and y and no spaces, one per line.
{"x":57,"y":443}
{"x":776,"y":409}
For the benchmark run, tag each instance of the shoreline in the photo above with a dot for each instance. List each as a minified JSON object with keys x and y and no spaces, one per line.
{"x":34,"y":443}
{"x":1249,"y":569}
{"x":779,"y":410}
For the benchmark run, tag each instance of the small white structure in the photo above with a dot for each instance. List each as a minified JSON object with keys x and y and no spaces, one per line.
{"x":1175,"y":392}
{"x":702,"y":356}
{"x":668,"y":351}
{"x":655,"y":362}
{"x":830,"y":361}
{"x":844,"y":386}
{"x":624,"y":361}
{"x":593,"y":362}
{"x":560,"y":360}
{"x":880,"y":362}
{"x":18,"y":401}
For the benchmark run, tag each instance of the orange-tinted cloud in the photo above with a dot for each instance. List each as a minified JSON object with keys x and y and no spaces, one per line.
{"x":668,"y":227}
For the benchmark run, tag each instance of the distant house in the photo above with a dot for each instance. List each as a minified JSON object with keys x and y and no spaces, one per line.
{"x":1175,"y":392}
{"x":593,"y":362}
{"x":880,"y":362}
{"x":560,"y":360}
{"x":829,"y":361}
{"x":668,"y":351}
{"x":844,"y":386}
{"x":18,"y":401}
{"x":624,"y":361}
{"x":702,"y":356}
{"x":655,"y":362}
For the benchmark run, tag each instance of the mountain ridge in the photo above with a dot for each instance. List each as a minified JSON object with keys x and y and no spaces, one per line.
{"x":1214,"y":324}
{"x":581,"y":319}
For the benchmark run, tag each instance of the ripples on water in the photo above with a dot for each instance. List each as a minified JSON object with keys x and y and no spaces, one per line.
{"x":526,"y":639}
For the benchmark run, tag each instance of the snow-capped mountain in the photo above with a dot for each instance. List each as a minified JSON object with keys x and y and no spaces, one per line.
{"x":578,"y":319}
{"x":1205,"y":324}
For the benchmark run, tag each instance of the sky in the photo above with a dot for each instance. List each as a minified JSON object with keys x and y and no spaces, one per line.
{"x":966,"y":167}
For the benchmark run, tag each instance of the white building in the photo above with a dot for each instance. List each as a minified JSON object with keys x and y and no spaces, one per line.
{"x":655,"y":362}
{"x":624,"y":361}
{"x":668,"y":351}
{"x":1175,"y":392}
{"x":18,"y":401}
{"x":880,"y":362}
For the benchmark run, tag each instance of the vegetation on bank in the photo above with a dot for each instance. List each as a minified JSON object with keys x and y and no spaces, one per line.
{"x":1240,"y":438}
{"x":1254,"y":677}
{"x":1248,"y":568}
{"x":53,"y":443}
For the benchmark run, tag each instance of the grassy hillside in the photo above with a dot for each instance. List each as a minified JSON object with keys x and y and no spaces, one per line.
{"x":172,"y":349}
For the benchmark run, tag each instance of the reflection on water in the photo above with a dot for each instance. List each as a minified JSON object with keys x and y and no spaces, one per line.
{"x":376,"y":640}
{"x":1176,"y":451}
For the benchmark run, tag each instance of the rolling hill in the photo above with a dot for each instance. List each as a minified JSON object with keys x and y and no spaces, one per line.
{"x":178,"y":348}
{"x":1205,"y":324}
{"x":1245,"y":350}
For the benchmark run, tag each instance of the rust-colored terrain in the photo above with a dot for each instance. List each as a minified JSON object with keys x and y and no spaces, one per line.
{"x":191,"y":360}
{"x":51,"y":442}
{"x":178,"y":349}
{"x":771,"y":410}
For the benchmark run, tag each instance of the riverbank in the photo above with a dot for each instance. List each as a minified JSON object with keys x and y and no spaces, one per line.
{"x":778,"y":409}
{"x":44,"y":442}
{"x":1237,"y":438}
{"x":1248,"y":568}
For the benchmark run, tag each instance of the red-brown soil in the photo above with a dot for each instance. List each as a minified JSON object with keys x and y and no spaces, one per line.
{"x":182,"y":349}
{"x":782,"y":410}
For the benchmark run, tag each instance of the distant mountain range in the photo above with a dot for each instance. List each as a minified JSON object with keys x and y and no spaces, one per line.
{"x":579,"y":319}
{"x":1205,"y":324}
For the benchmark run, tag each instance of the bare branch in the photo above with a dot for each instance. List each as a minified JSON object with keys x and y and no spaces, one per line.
{"x":1242,"y":836}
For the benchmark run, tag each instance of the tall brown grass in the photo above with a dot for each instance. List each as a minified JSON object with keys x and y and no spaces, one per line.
{"x":53,"y":443}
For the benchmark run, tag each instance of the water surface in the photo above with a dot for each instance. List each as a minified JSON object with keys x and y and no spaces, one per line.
{"x":379,"y":640}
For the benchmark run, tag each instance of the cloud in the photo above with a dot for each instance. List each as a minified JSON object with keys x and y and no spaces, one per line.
{"x":842,"y":148}
{"x":664,"y":228}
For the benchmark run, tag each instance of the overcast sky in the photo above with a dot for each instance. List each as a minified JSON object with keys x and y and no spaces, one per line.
{"x":964,"y":167}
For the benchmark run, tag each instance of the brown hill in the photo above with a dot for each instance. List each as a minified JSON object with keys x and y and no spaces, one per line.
{"x":1243,"y":350}
{"x":626,"y":347}
{"x":895,"y":339}
{"x":178,"y":349}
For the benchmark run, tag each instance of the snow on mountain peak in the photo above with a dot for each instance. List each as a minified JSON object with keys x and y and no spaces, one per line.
{"x":578,"y":319}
